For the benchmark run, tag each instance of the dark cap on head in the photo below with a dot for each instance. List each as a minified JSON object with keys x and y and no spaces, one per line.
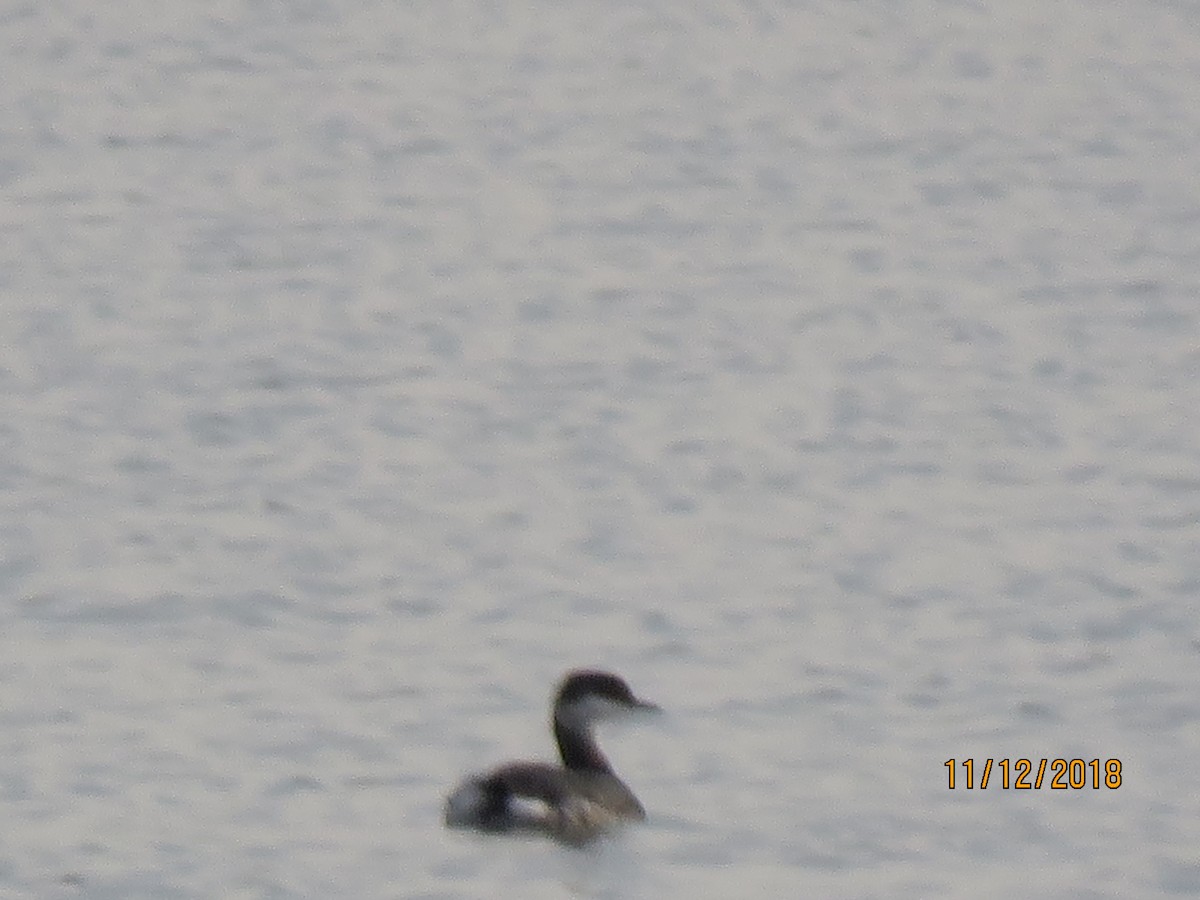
{"x":593,"y":683}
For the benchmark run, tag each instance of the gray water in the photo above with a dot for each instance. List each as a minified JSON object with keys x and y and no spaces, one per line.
{"x":830,"y":370}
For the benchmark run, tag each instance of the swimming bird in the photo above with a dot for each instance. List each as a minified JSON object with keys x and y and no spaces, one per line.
{"x":574,"y":802}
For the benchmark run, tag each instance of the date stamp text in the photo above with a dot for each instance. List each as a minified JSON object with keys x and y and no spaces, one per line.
{"x":1025,"y":774}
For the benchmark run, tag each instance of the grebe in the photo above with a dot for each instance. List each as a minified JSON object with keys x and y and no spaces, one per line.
{"x":573,"y":802}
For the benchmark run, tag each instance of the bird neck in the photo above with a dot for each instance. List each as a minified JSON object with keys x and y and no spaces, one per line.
{"x":578,"y":747}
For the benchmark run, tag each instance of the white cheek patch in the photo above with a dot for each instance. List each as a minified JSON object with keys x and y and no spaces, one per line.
{"x":592,"y":709}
